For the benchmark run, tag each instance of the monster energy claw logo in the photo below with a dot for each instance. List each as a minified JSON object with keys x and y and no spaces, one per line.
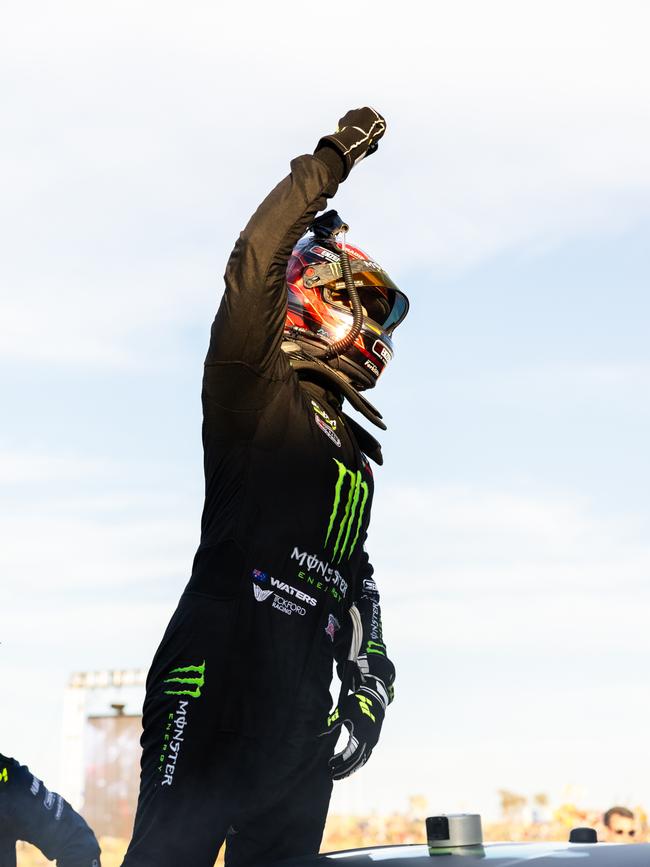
{"x":197,"y":681}
{"x":340,"y":532}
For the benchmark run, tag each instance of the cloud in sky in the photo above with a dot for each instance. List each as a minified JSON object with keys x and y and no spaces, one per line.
{"x":504,"y":548}
{"x":608,"y":382}
{"x":126,"y":182}
{"x":92,"y":531}
{"x":518,"y":624}
{"x":23,"y":467}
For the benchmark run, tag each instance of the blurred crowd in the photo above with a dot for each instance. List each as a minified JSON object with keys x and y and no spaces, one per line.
{"x":618,"y":825}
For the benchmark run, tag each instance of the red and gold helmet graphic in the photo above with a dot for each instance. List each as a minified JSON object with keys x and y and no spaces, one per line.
{"x":319,"y":308}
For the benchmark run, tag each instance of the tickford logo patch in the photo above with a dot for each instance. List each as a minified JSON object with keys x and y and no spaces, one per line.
{"x":261,"y":595}
{"x":346,"y":518}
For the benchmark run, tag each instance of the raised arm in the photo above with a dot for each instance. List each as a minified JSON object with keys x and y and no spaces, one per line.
{"x":248,"y":329}
{"x":249,"y":324}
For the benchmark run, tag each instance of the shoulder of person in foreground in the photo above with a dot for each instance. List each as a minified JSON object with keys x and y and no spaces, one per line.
{"x":44,"y":818}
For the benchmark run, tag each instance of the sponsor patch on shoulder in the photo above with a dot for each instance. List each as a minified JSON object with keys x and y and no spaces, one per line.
{"x":369,"y":585}
{"x":327,"y":430}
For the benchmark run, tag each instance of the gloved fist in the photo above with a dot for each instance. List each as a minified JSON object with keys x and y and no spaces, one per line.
{"x":362,"y":713}
{"x":356,"y":136}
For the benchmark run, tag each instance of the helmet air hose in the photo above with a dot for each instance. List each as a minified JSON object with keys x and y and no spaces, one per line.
{"x":346,"y":342}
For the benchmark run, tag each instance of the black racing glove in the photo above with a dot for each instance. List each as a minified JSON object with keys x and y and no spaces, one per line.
{"x":362,"y":713}
{"x":356,"y":136}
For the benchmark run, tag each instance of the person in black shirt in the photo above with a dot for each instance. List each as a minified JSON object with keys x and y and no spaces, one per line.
{"x":238,"y":737}
{"x":30,"y":812}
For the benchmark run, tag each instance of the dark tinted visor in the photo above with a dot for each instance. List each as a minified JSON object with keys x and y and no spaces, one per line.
{"x":398,"y":312}
{"x":384,"y":302}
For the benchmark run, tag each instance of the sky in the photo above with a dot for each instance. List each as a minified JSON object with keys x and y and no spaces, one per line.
{"x":510,"y":199}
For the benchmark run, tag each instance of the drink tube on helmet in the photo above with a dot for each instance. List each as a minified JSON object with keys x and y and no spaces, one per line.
{"x":357,"y":309}
{"x":327,"y":227}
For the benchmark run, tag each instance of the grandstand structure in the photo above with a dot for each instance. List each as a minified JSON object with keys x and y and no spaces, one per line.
{"x":101,"y":746}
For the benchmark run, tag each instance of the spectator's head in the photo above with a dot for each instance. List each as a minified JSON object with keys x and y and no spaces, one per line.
{"x":619,"y":825}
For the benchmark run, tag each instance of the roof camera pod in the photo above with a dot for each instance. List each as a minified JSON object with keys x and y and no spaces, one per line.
{"x":455,"y":833}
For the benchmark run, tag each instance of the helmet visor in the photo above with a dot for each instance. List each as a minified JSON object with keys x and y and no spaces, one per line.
{"x":384,"y":304}
{"x":398,"y":311}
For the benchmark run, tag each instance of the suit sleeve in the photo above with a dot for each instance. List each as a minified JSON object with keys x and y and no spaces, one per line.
{"x":46,"y":820}
{"x":244,"y":363}
{"x":373,"y":658}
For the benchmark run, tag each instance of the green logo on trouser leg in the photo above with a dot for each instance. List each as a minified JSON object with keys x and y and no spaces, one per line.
{"x":197,"y":681}
{"x":340,"y":529}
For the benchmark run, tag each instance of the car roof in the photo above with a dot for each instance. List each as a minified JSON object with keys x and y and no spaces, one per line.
{"x":498,"y":854}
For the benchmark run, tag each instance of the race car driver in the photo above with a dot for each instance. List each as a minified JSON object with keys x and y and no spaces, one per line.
{"x":30,"y":812}
{"x":238,"y":736}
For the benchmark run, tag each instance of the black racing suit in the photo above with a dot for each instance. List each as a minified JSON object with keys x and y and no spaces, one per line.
{"x":238,"y":691}
{"x":30,"y":812}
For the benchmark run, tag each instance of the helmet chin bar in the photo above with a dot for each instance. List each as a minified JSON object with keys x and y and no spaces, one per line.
{"x":312,"y":344}
{"x":301,"y":359}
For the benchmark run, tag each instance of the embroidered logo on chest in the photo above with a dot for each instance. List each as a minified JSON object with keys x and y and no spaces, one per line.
{"x":326,"y":423}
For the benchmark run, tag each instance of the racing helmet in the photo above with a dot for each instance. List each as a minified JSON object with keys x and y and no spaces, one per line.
{"x":319,"y":308}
